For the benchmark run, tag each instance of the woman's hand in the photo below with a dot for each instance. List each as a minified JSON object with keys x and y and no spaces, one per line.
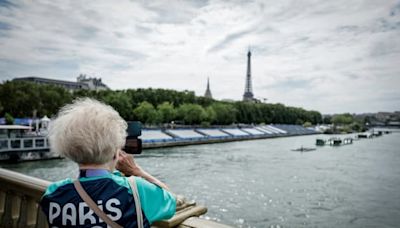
{"x":127,"y":165}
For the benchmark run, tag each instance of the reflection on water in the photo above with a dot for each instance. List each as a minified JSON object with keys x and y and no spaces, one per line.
{"x":262,"y":183}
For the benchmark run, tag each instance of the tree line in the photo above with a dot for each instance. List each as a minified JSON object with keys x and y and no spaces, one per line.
{"x":150,"y":106}
{"x":345,"y":122}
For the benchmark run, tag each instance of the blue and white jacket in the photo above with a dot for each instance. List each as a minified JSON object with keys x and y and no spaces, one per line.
{"x":64,"y":207}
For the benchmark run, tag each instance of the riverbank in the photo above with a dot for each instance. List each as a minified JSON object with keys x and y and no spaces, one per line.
{"x":158,"y":138}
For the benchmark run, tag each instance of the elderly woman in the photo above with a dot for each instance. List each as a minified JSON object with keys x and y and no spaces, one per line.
{"x":92,"y":134}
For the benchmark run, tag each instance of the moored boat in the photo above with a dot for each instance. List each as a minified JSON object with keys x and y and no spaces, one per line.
{"x":335,"y":141}
{"x":365,"y":135}
{"x":320,"y":142}
{"x":20,"y":143}
{"x":347,"y":141}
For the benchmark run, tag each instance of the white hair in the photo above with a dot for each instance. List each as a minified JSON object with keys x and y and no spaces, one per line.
{"x":87,"y":131}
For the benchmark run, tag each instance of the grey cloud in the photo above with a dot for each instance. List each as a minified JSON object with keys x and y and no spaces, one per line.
{"x":86,"y":32}
{"x":387,"y":25}
{"x":133,"y":55}
{"x":395,"y":10}
{"x":291,"y":83}
{"x":48,"y":50}
{"x":287,"y":45}
{"x":229,"y":39}
{"x":4,"y":28}
{"x":385,"y":47}
{"x":302,"y":39}
{"x":169,"y":44}
{"x":57,"y":69}
{"x":174,"y":12}
{"x":143,"y":30}
{"x":352,"y":76}
{"x":92,"y":15}
{"x":140,"y":30}
{"x":119,"y":34}
{"x":6,"y":4}
{"x":349,"y":29}
{"x":120,"y":66}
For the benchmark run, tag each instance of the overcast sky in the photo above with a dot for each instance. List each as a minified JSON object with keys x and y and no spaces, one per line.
{"x":330,"y":56}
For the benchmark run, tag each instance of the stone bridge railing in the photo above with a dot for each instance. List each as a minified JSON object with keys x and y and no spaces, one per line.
{"x":20,"y":194}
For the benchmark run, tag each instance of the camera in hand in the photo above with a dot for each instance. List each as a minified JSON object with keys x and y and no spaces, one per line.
{"x":133,"y":144}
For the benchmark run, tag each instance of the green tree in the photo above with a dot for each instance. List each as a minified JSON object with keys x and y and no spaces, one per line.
{"x":146,"y":113}
{"x":342,"y":119}
{"x":120,"y":101}
{"x":246,"y":112}
{"x":9,"y":118}
{"x":24,"y":97}
{"x":166,"y":112}
{"x":52,"y":98}
{"x":327,"y":120}
{"x":224,"y":113}
{"x":316,"y":117}
{"x":211,"y":115}
{"x":191,"y":113}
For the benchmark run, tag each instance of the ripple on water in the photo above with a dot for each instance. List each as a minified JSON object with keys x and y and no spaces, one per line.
{"x":321,"y":208}
{"x":301,"y":215}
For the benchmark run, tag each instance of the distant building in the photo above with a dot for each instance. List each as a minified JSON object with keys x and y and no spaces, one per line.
{"x":248,"y":90}
{"x":384,"y":116}
{"x":46,"y":81}
{"x":92,"y":83}
{"x":81,"y":83}
{"x":208,"y":91}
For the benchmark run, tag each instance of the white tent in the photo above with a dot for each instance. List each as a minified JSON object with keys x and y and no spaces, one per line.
{"x":45,"y":122}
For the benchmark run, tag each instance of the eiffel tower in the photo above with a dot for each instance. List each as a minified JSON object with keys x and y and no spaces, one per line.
{"x":248,"y":90}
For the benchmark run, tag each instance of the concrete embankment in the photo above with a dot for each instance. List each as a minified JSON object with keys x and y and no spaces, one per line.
{"x":156,"y":138}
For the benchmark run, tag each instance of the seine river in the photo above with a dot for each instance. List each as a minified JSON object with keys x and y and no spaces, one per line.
{"x":262,"y":183}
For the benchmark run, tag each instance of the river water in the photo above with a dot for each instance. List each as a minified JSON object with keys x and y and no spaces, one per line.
{"x":262,"y":183}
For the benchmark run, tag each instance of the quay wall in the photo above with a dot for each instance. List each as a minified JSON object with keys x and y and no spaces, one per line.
{"x":184,"y":137}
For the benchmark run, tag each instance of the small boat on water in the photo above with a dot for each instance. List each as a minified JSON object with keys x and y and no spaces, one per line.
{"x":20,"y":143}
{"x":304,"y":149}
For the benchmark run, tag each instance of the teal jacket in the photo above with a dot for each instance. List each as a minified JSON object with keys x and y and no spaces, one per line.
{"x":64,"y":208}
